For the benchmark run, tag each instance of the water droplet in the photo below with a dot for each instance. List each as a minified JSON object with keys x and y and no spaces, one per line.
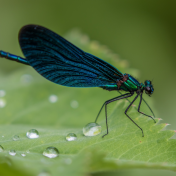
{"x":51,"y":152}
{"x":26,"y":79}
{"x":92,"y":129}
{"x":71,"y":137}
{"x":2,"y":93}
{"x":68,"y":161}
{"x":44,"y":173}
{"x":2,"y":103}
{"x":23,"y":154}
{"x":53,"y":98}
{"x":1,"y":148}
{"x":74,"y":104}
{"x":28,"y":151}
{"x":32,"y":134}
{"x":2,"y":136}
{"x":12,"y":152}
{"x":16,"y":137}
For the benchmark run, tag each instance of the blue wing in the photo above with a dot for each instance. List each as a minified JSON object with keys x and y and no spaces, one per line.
{"x":63,"y":63}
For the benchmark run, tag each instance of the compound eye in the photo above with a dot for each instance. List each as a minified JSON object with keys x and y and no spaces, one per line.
{"x":148,"y":87}
{"x":147,"y":82}
{"x":148,"y":90}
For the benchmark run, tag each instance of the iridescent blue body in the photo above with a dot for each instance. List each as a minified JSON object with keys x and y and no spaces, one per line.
{"x":63,"y":63}
{"x":130,"y":85}
{"x":13,"y":57}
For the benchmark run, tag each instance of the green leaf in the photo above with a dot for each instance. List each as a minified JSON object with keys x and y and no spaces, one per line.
{"x":26,"y":106}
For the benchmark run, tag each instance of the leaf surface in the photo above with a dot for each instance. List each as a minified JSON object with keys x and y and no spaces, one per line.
{"x":27,"y":105}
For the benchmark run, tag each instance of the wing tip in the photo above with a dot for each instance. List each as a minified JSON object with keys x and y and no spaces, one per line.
{"x":27,"y":27}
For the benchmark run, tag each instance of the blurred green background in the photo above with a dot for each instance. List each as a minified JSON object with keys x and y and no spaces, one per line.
{"x":142,"y":32}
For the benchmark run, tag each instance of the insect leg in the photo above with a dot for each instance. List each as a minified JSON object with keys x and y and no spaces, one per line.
{"x":130,"y":117}
{"x":148,"y":107}
{"x":127,"y":99}
{"x":112,"y":100}
{"x":13,"y":57}
{"x":108,"y":101}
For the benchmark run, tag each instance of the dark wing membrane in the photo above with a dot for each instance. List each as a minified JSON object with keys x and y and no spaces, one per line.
{"x":63,"y":63}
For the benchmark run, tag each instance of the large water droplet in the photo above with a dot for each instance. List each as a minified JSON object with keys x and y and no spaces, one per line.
{"x":51,"y":152}
{"x":32,"y":134}
{"x":23,"y":154}
{"x":92,"y":129}
{"x":16,"y":137}
{"x":12,"y":152}
{"x":74,"y":104}
{"x":1,"y":148}
{"x":71,"y":137}
{"x":2,"y":103}
{"x":2,"y":93}
{"x":53,"y":98}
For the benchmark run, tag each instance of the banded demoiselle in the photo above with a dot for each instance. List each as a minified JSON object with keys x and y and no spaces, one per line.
{"x":63,"y":63}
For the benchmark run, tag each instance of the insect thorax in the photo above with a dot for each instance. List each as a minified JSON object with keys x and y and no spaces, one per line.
{"x":126,"y":83}
{"x":131,"y":84}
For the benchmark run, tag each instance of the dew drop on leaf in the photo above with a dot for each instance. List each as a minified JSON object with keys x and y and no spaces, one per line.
{"x":2,"y":103}
{"x":32,"y":134}
{"x":92,"y":129}
{"x":16,"y":137}
{"x":23,"y":154}
{"x":74,"y":104}
{"x":51,"y":152}
{"x":12,"y":152}
{"x":53,"y":98}
{"x":28,"y":151}
{"x":71,"y":137}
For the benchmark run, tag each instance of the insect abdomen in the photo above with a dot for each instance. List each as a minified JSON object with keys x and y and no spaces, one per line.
{"x":13,"y":57}
{"x":110,"y":87}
